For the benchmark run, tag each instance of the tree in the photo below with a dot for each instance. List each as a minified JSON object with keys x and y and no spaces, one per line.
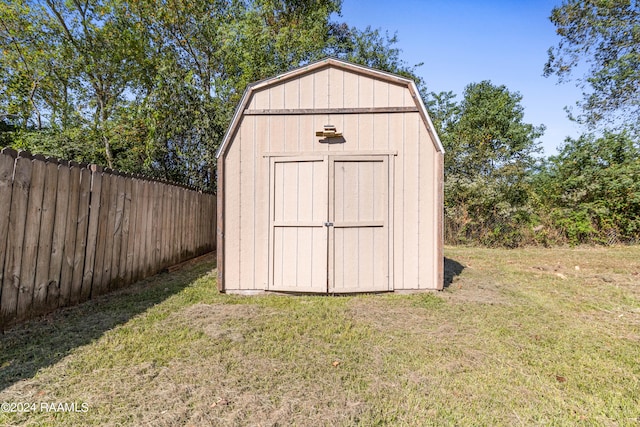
{"x":489,"y":137}
{"x":78,"y":58}
{"x":151,"y":85}
{"x":370,"y":48}
{"x":444,"y":111}
{"x":490,"y":153}
{"x":601,"y":37}
{"x":107,"y":55}
{"x":206,"y":53}
{"x":25,"y":58}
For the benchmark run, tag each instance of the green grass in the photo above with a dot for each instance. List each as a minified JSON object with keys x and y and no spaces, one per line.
{"x":519,"y":337}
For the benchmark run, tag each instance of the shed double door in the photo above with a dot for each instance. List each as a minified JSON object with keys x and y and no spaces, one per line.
{"x":329,"y":224}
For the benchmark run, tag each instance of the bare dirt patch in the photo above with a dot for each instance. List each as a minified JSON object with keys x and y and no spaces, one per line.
{"x":473,"y":291}
{"x":214,"y":319}
{"x":386,"y":314}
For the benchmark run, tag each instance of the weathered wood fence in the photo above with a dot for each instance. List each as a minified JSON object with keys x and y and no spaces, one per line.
{"x":69,"y":231}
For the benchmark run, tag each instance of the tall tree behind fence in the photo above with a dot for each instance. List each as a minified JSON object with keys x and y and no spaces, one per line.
{"x":69,"y":231}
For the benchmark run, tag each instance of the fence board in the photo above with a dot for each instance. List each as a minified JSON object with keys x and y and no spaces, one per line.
{"x":57,"y":242}
{"x":31,"y":236}
{"x":126,"y":212}
{"x":148,"y":249}
{"x":92,"y":231}
{"x":166,"y":203}
{"x":205,"y":224}
{"x":172,"y":226}
{"x":166,"y":209}
{"x":111,"y":217}
{"x":7,"y":163}
{"x":133,"y":225}
{"x":155,"y":229}
{"x":46,"y":236}
{"x":187,"y":230}
{"x":116,"y":237}
{"x":66,"y":273}
{"x":140,"y":230}
{"x":108,"y":247}
{"x":200,"y":231}
{"x":212,"y":220}
{"x":98,"y":269}
{"x":81,"y":235}
{"x":194,"y":220}
{"x":181,"y":227}
{"x":191,"y":230}
{"x":15,"y":238}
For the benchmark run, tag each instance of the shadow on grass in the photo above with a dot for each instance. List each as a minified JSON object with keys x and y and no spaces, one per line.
{"x":452,"y":269}
{"x":28,"y":347}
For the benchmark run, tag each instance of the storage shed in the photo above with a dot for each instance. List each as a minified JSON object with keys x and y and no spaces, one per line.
{"x":330,"y":180}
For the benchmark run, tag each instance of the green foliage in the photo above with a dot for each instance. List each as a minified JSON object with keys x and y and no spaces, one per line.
{"x":490,"y":153}
{"x":6,"y":133}
{"x":489,"y":137}
{"x":370,"y":48}
{"x":443,"y":110}
{"x":68,"y":65}
{"x":601,"y":38}
{"x":482,"y":210}
{"x":593,"y":188}
{"x":73,"y":144}
{"x":575,"y":223}
{"x":151,"y":85}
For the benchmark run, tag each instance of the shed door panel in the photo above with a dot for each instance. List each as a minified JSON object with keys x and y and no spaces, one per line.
{"x":329,"y":224}
{"x":298,"y":257}
{"x":359,"y":238}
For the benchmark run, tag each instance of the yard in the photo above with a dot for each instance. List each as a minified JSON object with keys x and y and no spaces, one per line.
{"x":518,"y":337}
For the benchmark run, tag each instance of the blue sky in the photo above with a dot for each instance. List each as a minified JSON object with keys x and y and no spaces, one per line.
{"x":465,"y":41}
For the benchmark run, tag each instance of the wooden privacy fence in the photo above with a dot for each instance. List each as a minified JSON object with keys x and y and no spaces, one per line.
{"x":70,"y":231}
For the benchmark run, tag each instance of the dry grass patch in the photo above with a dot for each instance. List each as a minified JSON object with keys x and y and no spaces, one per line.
{"x":518,"y":337}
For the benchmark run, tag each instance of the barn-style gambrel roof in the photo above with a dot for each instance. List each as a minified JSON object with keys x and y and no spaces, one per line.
{"x":340,"y":64}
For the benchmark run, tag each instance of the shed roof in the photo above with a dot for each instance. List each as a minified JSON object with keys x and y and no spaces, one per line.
{"x":332,"y":62}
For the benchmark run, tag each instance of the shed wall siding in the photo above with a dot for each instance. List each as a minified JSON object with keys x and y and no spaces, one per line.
{"x":232,"y":193}
{"x":415,"y":178}
{"x":331,"y":88}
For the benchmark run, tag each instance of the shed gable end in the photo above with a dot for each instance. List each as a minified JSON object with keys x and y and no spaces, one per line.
{"x":331,"y":87}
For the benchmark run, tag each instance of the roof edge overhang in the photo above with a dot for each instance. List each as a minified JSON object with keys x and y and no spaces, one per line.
{"x":338,"y":63}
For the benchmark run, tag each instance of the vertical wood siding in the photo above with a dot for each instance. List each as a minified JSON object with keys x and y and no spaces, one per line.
{"x":359,"y":208}
{"x":69,"y":232}
{"x":414,"y":243}
{"x":299,"y":248}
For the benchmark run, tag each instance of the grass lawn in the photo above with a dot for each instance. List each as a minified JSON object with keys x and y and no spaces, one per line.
{"x":518,"y":337}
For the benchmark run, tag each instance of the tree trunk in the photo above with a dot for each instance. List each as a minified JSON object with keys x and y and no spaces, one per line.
{"x":101,"y":116}
{"x":35,"y":106}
